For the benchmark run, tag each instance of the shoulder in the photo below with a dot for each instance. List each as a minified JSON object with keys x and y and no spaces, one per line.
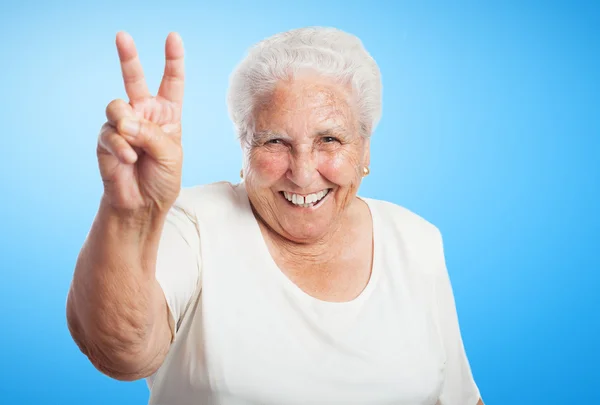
{"x":214,"y":196}
{"x":210,"y":206}
{"x":221,"y":190}
{"x":414,"y":235}
{"x":401,"y":219}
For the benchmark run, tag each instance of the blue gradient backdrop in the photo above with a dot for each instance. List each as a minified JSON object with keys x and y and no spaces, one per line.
{"x":491,"y":130}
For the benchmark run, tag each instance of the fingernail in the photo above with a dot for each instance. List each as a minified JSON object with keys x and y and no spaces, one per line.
{"x":130,"y":126}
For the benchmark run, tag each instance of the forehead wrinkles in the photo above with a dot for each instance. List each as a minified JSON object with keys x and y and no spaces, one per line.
{"x":312,"y":103}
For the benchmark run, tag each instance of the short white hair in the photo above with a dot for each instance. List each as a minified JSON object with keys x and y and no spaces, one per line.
{"x":327,"y":51}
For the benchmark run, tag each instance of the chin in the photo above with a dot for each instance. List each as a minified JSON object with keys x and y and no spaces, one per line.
{"x":306,"y":224}
{"x":304,"y":233}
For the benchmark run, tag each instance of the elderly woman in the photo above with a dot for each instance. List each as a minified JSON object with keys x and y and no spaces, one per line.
{"x":286,"y":288}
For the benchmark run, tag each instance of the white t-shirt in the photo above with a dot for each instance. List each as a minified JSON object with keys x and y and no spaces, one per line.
{"x":246,"y":334}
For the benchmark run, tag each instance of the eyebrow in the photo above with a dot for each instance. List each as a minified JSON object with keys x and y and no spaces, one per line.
{"x":338,"y":129}
{"x":263,"y":136}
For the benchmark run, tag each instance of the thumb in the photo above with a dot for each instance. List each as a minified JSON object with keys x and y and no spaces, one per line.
{"x":149,"y":137}
{"x":117,"y":109}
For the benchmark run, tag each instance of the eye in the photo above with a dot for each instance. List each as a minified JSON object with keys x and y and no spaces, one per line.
{"x":329,"y":139}
{"x":274,"y":142}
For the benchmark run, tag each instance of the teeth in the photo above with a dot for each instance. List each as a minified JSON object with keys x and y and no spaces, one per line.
{"x":305,"y":201}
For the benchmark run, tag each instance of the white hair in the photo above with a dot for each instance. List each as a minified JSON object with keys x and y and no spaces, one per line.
{"x":328,"y":51}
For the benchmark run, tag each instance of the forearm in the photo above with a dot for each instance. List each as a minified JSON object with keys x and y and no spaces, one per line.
{"x":116,"y":311}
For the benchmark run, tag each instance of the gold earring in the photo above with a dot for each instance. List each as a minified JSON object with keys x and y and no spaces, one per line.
{"x":366,"y":171}
{"x":241,"y":173}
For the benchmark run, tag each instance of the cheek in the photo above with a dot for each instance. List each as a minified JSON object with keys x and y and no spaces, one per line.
{"x":339,"y":168}
{"x":268,"y":167}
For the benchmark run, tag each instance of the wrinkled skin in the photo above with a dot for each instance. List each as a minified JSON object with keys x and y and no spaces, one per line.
{"x":306,"y":140}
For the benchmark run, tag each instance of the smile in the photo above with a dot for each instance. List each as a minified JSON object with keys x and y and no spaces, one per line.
{"x":306,"y":201}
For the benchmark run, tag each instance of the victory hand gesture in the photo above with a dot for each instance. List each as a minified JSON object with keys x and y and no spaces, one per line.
{"x":139,"y":147}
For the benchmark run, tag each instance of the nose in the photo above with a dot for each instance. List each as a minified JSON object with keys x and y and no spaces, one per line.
{"x":303,"y":168}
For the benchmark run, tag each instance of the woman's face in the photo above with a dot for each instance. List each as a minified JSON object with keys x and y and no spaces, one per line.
{"x":305,"y":162}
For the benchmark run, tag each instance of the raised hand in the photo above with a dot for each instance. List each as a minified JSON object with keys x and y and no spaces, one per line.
{"x":139,"y":147}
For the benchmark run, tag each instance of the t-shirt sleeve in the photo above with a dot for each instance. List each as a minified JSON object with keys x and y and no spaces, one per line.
{"x":459,"y":387}
{"x":178,"y":263}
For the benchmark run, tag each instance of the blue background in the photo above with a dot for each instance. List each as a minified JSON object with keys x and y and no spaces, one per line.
{"x":491,"y":130}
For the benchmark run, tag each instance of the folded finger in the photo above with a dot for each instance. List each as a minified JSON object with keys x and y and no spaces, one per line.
{"x":116,"y":145}
{"x":150,"y":138}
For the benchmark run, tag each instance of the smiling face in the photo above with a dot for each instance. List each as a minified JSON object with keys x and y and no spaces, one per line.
{"x":305,"y":162}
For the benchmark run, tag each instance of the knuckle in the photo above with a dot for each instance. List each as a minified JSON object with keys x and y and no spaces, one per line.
{"x":107,"y":127}
{"x":104,"y":131}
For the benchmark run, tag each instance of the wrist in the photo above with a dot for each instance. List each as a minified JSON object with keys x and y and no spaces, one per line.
{"x":141,"y":225}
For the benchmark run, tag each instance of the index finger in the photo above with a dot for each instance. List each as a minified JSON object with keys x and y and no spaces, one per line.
{"x":171,"y":86}
{"x":131,"y":67}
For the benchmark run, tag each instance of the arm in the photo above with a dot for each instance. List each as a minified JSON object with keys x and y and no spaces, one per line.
{"x":459,"y":385}
{"x":116,"y":311}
